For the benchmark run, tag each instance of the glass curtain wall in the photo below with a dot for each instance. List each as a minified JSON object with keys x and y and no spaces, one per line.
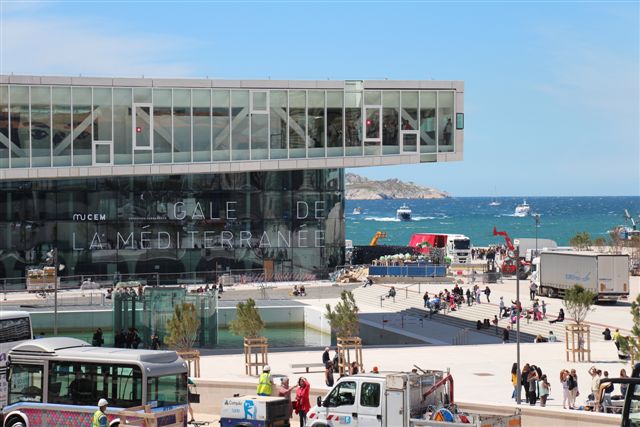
{"x":353,"y":123}
{"x":390,"y":120}
{"x":427,"y":122}
{"x":278,"y":124}
{"x":42,"y":126}
{"x":445,"y":121}
{"x":240,"y":125}
{"x":297,"y":124}
{"x":220,"y":125}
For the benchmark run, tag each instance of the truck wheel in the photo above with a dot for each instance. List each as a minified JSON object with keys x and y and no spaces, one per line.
{"x":16,"y":422}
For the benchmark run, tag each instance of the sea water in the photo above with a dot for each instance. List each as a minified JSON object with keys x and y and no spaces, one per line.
{"x":561,"y":218}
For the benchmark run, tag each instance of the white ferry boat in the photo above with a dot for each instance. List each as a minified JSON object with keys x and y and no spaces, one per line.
{"x":522,"y":210}
{"x":404,"y":213}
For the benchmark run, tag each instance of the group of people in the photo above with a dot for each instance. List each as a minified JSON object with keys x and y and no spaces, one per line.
{"x":454,"y":299}
{"x":300,"y":404}
{"x":331,"y":366}
{"x":299,"y":291}
{"x":535,"y":386}
{"x":129,"y":339}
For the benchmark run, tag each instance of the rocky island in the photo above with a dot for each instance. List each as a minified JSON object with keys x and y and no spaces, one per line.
{"x":361,"y":188}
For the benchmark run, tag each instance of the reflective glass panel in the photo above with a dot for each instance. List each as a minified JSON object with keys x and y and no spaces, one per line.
{"x":82,"y":120}
{"x":181,"y":125}
{"x":372,"y":97}
{"x":390,"y":114}
{"x":409,"y":142}
{"x":103,"y":153}
{"x":335,"y":132}
{"x":409,"y":110}
{"x":372,"y":129}
{"x":353,"y":123}
{"x":20,"y":135}
{"x":297,"y":123}
{"x":40,"y":126}
{"x":220,"y":124}
{"x":162,"y":133}
{"x":316,"y":124}
{"x":259,"y":101}
{"x":4,"y":127}
{"x":445,"y":121}
{"x":102,"y":116}
{"x":122,"y":123}
{"x":427,"y":121}
{"x":240,"y":124}
{"x":278,"y":124}
{"x":61,"y":125}
{"x":201,"y":125}
{"x":259,"y":136}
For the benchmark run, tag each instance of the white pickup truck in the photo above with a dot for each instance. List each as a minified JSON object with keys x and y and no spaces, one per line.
{"x":398,"y":399}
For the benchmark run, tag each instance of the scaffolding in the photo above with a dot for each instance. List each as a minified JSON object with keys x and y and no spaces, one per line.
{"x":150,"y":311}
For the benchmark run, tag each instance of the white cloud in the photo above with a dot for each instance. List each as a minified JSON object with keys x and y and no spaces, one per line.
{"x":56,"y":46}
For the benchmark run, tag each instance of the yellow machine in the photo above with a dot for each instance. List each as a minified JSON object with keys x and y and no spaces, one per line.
{"x":379,"y":235}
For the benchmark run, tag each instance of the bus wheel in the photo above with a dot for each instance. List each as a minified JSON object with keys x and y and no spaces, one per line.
{"x":16,"y":422}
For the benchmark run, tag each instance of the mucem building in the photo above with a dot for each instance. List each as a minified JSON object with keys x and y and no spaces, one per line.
{"x":189,"y":179}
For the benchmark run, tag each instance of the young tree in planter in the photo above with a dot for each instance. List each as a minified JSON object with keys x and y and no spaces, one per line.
{"x":248,"y":323}
{"x":183,"y":327}
{"x":344,"y":318}
{"x":578,"y":302}
{"x":345,"y":323}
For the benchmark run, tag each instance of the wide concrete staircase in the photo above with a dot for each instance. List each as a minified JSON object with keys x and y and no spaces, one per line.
{"x":408,"y":301}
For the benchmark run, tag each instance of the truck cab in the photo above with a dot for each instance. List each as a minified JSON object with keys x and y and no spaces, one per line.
{"x":377,"y":400}
{"x":459,"y":248}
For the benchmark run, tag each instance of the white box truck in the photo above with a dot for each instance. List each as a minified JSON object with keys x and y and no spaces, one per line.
{"x":605,"y":274}
{"x":397,"y":399}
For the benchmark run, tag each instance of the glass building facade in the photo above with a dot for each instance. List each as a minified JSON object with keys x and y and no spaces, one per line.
{"x":194,"y":178}
{"x":288,"y":224}
{"x":44,"y":126}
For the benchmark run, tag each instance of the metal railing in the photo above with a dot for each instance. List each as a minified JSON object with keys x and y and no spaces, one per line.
{"x":461,"y":337}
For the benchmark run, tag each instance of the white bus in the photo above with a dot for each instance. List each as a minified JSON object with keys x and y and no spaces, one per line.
{"x":57,"y":382}
{"x":15,"y":327}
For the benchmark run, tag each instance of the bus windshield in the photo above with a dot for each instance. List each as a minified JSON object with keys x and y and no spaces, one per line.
{"x":168,"y":390}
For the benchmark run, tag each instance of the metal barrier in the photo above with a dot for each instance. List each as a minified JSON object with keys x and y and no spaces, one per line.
{"x":461,"y":338}
{"x":418,"y":270}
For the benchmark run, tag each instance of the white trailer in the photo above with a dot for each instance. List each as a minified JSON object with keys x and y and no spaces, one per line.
{"x":605,"y":274}
{"x":398,"y":399}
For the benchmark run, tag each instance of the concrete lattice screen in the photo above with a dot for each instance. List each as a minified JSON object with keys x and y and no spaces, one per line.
{"x":149,"y":314}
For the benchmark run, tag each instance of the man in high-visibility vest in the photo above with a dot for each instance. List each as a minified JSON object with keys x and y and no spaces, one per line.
{"x":265,"y":382}
{"x":99,"y":418}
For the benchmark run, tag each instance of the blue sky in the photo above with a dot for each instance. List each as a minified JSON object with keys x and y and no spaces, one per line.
{"x":551,"y":88}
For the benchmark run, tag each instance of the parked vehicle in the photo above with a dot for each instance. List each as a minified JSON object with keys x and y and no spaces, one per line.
{"x":395,"y":399}
{"x":15,"y":328}
{"x":262,"y":411}
{"x":605,"y":274}
{"x":457,"y":246}
{"x":58,"y":382}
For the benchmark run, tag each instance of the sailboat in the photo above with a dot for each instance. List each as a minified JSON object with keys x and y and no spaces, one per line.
{"x":494,"y":202}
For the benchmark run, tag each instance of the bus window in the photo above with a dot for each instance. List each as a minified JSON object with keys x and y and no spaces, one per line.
{"x":168,"y":390}
{"x":78,"y":383}
{"x":15,"y":330}
{"x":25,"y":383}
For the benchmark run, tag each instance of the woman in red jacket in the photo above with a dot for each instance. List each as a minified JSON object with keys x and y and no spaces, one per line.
{"x":302,"y":400}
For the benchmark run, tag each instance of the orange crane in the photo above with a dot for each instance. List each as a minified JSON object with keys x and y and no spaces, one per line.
{"x":509,"y":264}
{"x":379,"y":235}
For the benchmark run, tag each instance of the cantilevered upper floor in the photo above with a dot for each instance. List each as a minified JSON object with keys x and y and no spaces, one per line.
{"x":55,"y":127}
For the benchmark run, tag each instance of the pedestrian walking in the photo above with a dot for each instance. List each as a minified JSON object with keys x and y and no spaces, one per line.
{"x":328,"y":374}
{"x":501,"y":307}
{"x":302,"y":400}
{"x":265,"y":382}
{"x":425,"y":298}
{"x":469,"y":298}
{"x":543,"y":307}
{"x":566,"y":394}
{"x":532,"y":290}
{"x":574,"y":392}
{"x":514,"y":380}
{"x":487,"y":293}
{"x":495,"y":323}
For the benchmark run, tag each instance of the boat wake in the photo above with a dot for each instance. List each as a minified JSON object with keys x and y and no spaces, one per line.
{"x":383,"y":219}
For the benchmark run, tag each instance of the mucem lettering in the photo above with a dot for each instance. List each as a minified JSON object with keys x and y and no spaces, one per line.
{"x":89,"y":217}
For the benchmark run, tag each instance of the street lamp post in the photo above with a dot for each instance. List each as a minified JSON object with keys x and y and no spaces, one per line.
{"x":518,"y":304}
{"x":536,"y":217}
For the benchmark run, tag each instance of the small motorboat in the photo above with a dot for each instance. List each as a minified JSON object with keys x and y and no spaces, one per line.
{"x":494,"y":202}
{"x":404,"y":213}
{"x":357,"y":210}
{"x":522,"y":210}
